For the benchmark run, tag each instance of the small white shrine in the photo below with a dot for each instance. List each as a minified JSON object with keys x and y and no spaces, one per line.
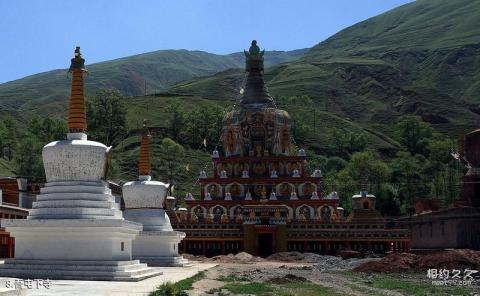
{"x":157,"y":243}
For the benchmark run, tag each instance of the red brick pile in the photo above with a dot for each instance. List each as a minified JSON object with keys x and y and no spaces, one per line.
{"x":406,"y":262}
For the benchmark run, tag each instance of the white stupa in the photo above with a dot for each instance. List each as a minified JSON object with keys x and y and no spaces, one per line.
{"x":157,"y":244}
{"x":75,"y":229}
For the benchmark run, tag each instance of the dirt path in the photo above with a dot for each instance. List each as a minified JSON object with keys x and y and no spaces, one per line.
{"x":209,"y":282}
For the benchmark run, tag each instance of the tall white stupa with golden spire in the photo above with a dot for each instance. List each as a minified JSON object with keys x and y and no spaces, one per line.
{"x":75,"y":229}
{"x":157,"y":243}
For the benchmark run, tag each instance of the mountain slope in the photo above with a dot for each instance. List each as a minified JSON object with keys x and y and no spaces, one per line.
{"x":422,"y":58}
{"x":50,"y":90}
{"x":434,"y":42}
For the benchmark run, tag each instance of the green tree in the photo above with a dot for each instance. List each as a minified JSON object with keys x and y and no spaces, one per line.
{"x":414,"y":134}
{"x":316,"y":161}
{"x":204,"y":126}
{"x":347,"y":142}
{"x":176,"y":124}
{"x":107,"y":117}
{"x":445,"y":171}
{"x":407,"y":174}
{"x":8,"y":138}
{"x":367,"y":165}
{"x":388,"y":200}
{"x":299,"y":128}
{"x":28,"y":153}
{"x":3,"y":135}
{"x":345,"y":185}
{"x":168,"y":165}
{"x":335,"y":164}
{"x":28,"y":158}
{"x":362,"y":166}
{"x":356,"y":142}
{"x":47,"y":129}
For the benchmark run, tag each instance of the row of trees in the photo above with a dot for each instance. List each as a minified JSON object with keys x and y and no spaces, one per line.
{"x":8,"y":138}
{"x":424,"y":168}
{"x":198,"y":128}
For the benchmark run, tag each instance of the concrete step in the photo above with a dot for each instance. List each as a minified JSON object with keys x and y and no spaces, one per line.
{"x":165,"y":261}
{"x":123,"y":268}
{"x":128,"y":272}
{"x":75,"y":204}
{"x":84,"y":276}
{"x":75,"y":196}
{"x":72,"y":262}
{"x":73,"y":213}
{"x":75,"y":189}
{"x":138,"y":277}
{"x":49,"y":273}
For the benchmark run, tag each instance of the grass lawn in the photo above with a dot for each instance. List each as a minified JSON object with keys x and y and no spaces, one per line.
{"x":412,"y":284}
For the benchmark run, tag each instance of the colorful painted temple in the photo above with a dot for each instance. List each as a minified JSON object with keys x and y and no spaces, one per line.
{"x":261,"y":199}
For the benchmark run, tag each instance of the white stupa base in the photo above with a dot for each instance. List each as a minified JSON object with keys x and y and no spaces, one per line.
{"x":104,"y":270}
{"x":168,"y":261}
{"x":159,"y":248}
{"x":83,"y":249}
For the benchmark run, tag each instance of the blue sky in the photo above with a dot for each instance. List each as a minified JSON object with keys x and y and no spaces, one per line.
{"x":37,"y":36}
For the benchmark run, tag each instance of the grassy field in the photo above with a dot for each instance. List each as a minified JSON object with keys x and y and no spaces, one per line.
{"x":410,"y":284}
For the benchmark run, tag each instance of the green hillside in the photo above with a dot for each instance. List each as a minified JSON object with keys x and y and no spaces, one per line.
{"x":421,"y":58}
{"x":49,"y":91}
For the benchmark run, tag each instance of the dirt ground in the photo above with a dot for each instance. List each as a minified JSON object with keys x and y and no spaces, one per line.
{"x":332,"y":273}
{"x":277,"y":271}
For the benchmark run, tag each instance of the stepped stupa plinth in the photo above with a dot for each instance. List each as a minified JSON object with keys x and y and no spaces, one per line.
{"x":75,"y":229}
{"x":157,"y":244}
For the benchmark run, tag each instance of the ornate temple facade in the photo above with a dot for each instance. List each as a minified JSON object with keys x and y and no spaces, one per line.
{"x":261,"y":199}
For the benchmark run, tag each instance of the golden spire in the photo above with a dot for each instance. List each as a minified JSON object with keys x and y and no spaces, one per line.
{"x":144,"y":166}
{"x":77,"y":119}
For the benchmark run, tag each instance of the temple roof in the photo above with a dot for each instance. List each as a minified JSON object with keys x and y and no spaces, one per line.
{"x":255,"y":95}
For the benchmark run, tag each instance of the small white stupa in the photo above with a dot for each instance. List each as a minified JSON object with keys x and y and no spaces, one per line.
{"x":157,"y":244}
{"x":273,"y":196}
{"x":75,"y":229}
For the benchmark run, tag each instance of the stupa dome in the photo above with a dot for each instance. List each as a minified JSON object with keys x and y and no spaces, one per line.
{"x":144,"y":194}
{"x":75,"y":160}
